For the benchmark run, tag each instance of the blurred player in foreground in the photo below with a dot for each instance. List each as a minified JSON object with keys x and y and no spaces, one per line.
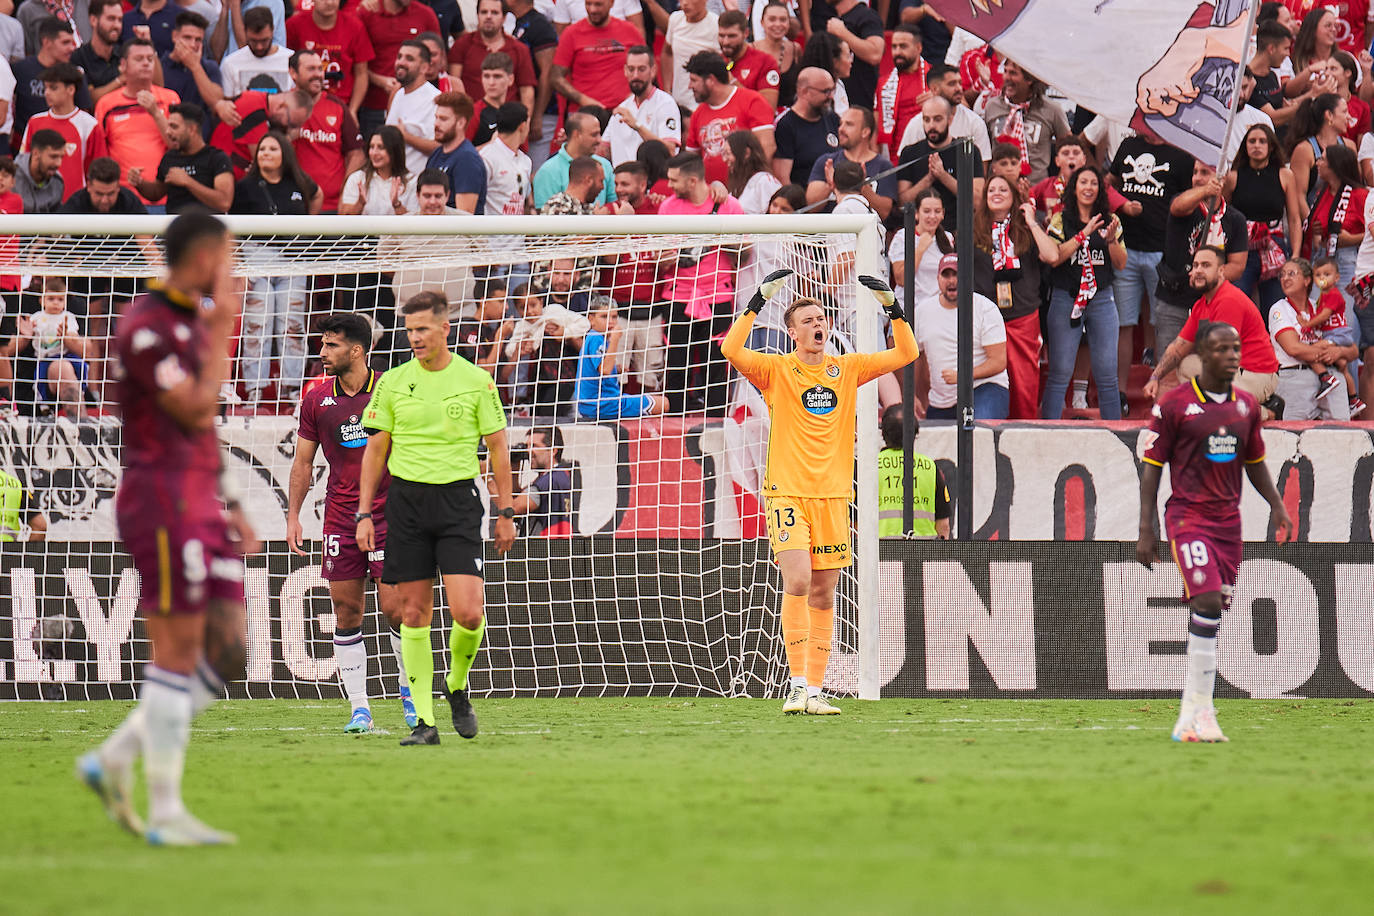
{"x":811,"y":397}
{"x":428,"y":416}
{"x":1205,"y":430}
{"x":331,"y":416}
{"x":171,"y":511}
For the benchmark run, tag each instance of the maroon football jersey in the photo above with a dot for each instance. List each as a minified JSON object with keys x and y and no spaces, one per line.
{"x":1206,"y":445}
{"x":334,"y":420}
{"x":159,"y":345}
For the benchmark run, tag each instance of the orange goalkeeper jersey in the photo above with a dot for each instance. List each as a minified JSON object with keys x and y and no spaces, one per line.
{"x":811,"y":408}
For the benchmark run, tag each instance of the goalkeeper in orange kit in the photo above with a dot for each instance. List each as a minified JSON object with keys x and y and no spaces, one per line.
{"x":811,"y":397}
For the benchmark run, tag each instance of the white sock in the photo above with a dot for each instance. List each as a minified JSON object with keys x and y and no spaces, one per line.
{"x":206,"y":688}
{"x":813,"y":690}
{"x":167,"y":729}
{"x":1202,"y":671}
{"x":351,"y":654}
{"x":122,"y":747}
{"x":798,"y":682}
{"x":396,"y":650}
{"x":1080,"y":393}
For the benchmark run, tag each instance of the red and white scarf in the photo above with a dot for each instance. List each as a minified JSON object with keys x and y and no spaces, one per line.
{"x":1264,"y":238}
{"x":889,"y":95}
{"x":1334,"y":221}
{"x":1014,"y":128}
{"x":1209,"y":231}
{"x":1003,"y":248}
{"x":1087,"y":280}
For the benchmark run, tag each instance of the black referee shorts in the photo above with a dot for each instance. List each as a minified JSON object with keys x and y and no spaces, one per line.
{"x":432,"y":526}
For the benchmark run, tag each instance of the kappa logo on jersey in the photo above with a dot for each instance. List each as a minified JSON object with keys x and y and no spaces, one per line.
{"x":1222,"y":446}
{"x":819,"y":400}
{"x":327,"y":402}
{"x":145,"y":338}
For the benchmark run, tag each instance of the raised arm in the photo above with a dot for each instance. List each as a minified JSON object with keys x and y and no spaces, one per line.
{"x":752,"y":365}
{"x":904,"y":348}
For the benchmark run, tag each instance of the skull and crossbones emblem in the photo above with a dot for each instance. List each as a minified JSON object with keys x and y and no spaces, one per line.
{"x":1143,"y":169}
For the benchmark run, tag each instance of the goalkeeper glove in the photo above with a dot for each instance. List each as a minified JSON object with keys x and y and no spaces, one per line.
{"x":770,"y":287}
{"x":886,"y":298}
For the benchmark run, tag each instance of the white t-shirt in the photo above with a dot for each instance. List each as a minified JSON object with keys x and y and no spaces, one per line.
{"x":1099,"y":129}
{"x":378,"y":199}
{"x":966,"y":124}
{"x":239,"y":68}
{"x":1283,"y":316}
{"x":566,"y":12}
{"x":960,"y":43}
{"x":48,"y":331}
{"x":937,"y":334}
{"x":659,"y":113}
{"x":687,"y":38}
{"x":7,"y":84}
{"x":508,"y":178}
{"x":1364,"y":259}
{"x":11,"y":39}
{"x":927,"y":279}
{"x":414,"y":112}
{"x":757,"y":192}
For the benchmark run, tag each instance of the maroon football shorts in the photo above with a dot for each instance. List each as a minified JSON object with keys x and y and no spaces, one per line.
{"x":1206,"y":562}
{"x":344,"y":559}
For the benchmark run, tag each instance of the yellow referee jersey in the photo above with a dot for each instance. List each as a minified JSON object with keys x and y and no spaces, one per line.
{"x":811,"y":408}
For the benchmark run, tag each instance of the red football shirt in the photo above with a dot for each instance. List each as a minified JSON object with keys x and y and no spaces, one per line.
{"x":239,"y":142}
{"x":1228,"y":304}
{"x":755,"y":70}
{"x":469,"y":51}
{"x":595,"y":58}
{"x":325,"y":140}
{"x":899,"y":99}
{"x":85,"y":142}
{"x":340,"y":47}
{"x":1350,"y":19}
{"x":387,"y":32}
{"x":710,"y":125}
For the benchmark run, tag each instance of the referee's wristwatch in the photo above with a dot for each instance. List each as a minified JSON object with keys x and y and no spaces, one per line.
{"x":359,"y":516}
{"x":508,"y":512}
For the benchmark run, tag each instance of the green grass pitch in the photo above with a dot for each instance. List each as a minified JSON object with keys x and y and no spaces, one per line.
{"x":716,"y":806}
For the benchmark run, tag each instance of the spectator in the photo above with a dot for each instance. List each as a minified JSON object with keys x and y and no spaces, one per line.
{"x":861,"y":29}
{"x":1022,"y":114}
{"x":932,"y":242}
{"x":82,"y":136}
{"x":389,"y":24}
{"x":59,"y":351}
{"x":632,"y":187}
{"x":1070,"y":155}
{"x":848,"y":183}
{"x":808,"y":130}
{"x":634,"y":279}
{"x":255,"y":113}
{"x":436,"y":71}
{"x":99,"y":56}
{"x":29,"y":14}
{"x":1149,"y":175}
{"x":329,"y":145}
{"x":1263,"y":188}
{"x":103,"y":193}
{"x":1329,"y":319}
{"x":1272,"y":45}
{"x":56,"y":45}
{"x":943,"y":79}
{"x":1219,"y":300}
{"x":700,"y":292}
{"x":749,"y":67}
{"x":589,"y":63}
{"x":1307,"y":390}
{"x":1006,"y":269}
{"x":599,"y":365}
{"x":1319,"y":124}
{"x":481,"y":338}
{"x":571,"y":12}
{"x":188,"y":72}
{"x":545,"y":507}
{"x":584,"y":136}
{"x":1007,"y":163}
{"x":933,"y":162}
{"x":498,"y":75}
{"x":507,"y":167}
{"x":538,"y":35}
{"x":936,"y":321}
{"x":772,"y":26}
{"x":1313,"y":44}
{"x":13,"y":44}
{"x":654,"y":154}
{"x":648,"y":113}
{"x":691,"y":29}
{"x":274,"y":307}
{"x":749,"y":180}
{"x":585,"y":179}
{"x":344,"y":48}
{"x":231,"y":30}
{"x":154,"y":19}
{"x":455,"y":155}
{"x":383,"y":186}
{"x":930,"y":499}
{"x":39,"y":178}
{"x":7,"y":85}
{"x":1345,"y":73}
{"x":724,"y":108}
{"x":1090,"y":246}
{"x":1336,"y":224}
{"x":1195,"y":220}
{"x":903,"y":88}
{"x":858,"y":139}
{"x":413,"y":104}
{"x":471,"y":49}
{"x":260,"y":57}
{"x":828,"y":53}
{"x":191,"y":173}
{"x":134,"y":117}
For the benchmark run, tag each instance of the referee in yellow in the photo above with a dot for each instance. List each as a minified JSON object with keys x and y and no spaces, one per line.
{"x":812,"y":397}
{"x":426,"y":418}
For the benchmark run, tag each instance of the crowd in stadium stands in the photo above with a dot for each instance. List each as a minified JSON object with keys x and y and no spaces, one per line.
{"x":1086,"y":234}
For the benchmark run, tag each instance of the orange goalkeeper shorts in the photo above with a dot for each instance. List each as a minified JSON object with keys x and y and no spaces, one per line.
{"x":820,"y":525}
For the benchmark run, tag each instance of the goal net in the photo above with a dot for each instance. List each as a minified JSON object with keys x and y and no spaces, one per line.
{"x":643,"y":567}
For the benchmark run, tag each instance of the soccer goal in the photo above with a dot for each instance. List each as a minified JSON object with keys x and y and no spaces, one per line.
{"x":643,"y":567}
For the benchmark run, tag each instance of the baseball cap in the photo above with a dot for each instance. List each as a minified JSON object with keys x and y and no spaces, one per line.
{"x":949,"y":262}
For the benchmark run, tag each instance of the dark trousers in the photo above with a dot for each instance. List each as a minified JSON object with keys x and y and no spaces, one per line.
{"x":695,"y":363}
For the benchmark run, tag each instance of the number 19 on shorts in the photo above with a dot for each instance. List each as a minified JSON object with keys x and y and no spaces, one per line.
{"x":1192,"y":554}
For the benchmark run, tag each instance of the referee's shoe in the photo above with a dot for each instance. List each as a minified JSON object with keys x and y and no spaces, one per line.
{"x":464,"y":719}
{"x":422,"y":733}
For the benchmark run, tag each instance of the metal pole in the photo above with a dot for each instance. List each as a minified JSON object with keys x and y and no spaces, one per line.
{"x":866,"y":554}
{"x":964,"y":209}
{"x":909,"y":379}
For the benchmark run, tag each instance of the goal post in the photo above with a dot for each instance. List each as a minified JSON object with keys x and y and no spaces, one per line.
{"x":661,"y":580}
